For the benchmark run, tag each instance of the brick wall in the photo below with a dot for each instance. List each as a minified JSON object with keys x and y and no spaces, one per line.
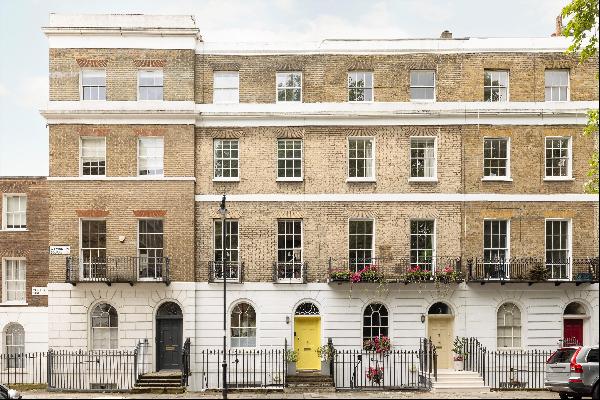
{"x":459,"y":230}
{"x":116,"y":202}
{"x":33,"y":243}
{"x":527,"y":159}
{"x":459,"y":77}
{"x":326,"y":159}
{"x":121,"y":67}
{"x":122,"y":148}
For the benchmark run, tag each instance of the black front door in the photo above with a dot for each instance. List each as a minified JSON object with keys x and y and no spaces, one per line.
{"x":169,"y":343}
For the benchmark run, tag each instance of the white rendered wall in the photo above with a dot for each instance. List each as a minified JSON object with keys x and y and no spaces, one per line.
{"x":34,"y":321}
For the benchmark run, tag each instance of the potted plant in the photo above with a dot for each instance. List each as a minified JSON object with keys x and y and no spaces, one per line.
{"x":375,"y":375}
{"x":291,"y":357}
{"x":325,"y":353}
{"x":339,"y":275}
{"x":448,"y":275}
{"x":459,"y":354}
{"x":416,"y":274}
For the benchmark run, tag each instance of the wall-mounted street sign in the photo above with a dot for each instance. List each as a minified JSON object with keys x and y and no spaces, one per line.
{"x":64,"y":250}
{"x":39,"y":291}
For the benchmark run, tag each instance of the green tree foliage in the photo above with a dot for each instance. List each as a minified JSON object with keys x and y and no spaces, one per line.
{"x":583,"y":28}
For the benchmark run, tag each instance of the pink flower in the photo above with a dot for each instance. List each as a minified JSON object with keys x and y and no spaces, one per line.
{"x":355,"y":277}
{"x":448,"y":269}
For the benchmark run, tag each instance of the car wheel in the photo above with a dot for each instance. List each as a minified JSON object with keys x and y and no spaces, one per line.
{"x":596,"y":392}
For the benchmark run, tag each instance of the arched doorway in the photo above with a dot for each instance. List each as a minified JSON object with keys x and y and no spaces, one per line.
{"x":573,"y":321}
{"x":307,"y":336}
{"x":169,"y":336}
{"x":440,"y":323}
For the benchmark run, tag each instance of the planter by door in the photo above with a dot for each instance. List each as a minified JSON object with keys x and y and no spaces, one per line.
{"x":307,"y":338}
{"x":169,"y":336}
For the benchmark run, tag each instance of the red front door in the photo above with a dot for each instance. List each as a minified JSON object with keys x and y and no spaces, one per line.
{"x":574,"y":330}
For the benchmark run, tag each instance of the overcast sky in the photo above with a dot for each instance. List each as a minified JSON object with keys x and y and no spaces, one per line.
{"x":24,"y":49}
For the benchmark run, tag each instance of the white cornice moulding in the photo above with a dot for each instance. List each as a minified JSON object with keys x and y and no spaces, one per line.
{"x":401,"y":197}
{"x":120,"y":178}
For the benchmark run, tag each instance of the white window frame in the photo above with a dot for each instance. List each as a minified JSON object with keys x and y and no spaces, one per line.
{"x":569,"y":175}
{"x":373,"y":158}
{"x":372,"y":87}
{"x":277,"y":88}
{"x":109,"y":328}
{"x":426,"y":87}
{"x":387,"y":327}
{"x":506,"y":178}
{"x":433,"y":241}
{"x":373,"y":247}
{"x":230,"y":326}
{"x":140,"y":71}
{"x":568,"y":71}
{"x":508,"y":243}
{"x":237,"y":88}
{"x":237,"y":249}
{"x":239,"y":170}
{"x":520,"y":326}
{"x":81,"y":73}
{"x":292,"y":178}
{"x":81,"y":262}
{"x":569,"y":222}
{"x":14,"y":363}
{"x":5,"y":197}
{"x":81,"y":139}
{"x":434,"y":178}
{"x":302,"y":272}
{"x":507,"y":84}
{"x":139,"y":157}
{"x":5,"y":281}
{"x":163,"y":272}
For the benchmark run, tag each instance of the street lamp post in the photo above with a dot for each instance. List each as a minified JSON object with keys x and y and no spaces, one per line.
{"x":223,"y":212}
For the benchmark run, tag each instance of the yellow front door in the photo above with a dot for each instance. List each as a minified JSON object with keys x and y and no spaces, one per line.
{"x":440,"y":332}
{"x":307,"y":338}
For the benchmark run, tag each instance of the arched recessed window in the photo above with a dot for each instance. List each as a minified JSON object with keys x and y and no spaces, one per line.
{"x":439,"y":308}
{"x":509,"y":326}
{"x":243,"y":326}
{"x":14,"y":339}
{"x":105,"y":327}
{"x":575,"y":308}
{"x":375,"y":321}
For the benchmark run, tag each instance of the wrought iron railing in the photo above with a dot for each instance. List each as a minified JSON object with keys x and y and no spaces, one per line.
{"x":246,"y":369}
{"x":533,"y":270}
{"x":292,"y":272}
{"x":92,"y":370}
{"x":118,"y":269}
{"x":233,"y":271}
{"x":186,"y":369}
{"x":506,"y":370}
{"x":23,"y":368}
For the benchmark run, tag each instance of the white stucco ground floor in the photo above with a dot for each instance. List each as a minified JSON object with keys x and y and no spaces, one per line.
{"x":473,"y":309}
{"x":26,"y":326}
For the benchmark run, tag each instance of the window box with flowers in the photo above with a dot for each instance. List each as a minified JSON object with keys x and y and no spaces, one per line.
{"x":449,"y":275}
{"x":368,"y":274}
{"x":417,"y":274}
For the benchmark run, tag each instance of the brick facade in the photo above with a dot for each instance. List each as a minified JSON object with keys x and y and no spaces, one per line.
{"x":459,"y":77}
{"x":31,"y":244}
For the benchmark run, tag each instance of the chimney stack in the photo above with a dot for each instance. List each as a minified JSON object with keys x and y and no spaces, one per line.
{"x":559,"y":26}
{"x":446,"y":35}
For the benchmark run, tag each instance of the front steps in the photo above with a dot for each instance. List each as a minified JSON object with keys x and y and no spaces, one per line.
{"x":309,"y":382}
{"x":449,"y":380}
{"x":159,"y":382}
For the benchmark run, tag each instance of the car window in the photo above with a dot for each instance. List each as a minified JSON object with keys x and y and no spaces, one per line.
{"x":592,"y":356}
{"x":561,"y":356}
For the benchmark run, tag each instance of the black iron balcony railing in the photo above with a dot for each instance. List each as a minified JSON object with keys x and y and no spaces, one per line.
{"x":533,"y":270}
{"x":118,"y":269}
{"x":407,"y":270}
{"x":234,"y":271}
{"x":290,"y":272}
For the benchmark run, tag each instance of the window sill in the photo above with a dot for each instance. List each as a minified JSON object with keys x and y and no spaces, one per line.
{"x":289,"y":179}
{"x":14,"y":230}
{"x":361,"y":180}
{"x":13,"y":303}
{"x":422,"y":180}
{"x":422,"y":100}
{"x":565,"y":179}
{"x":496,"y":179}
{"x":226,"y":179}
